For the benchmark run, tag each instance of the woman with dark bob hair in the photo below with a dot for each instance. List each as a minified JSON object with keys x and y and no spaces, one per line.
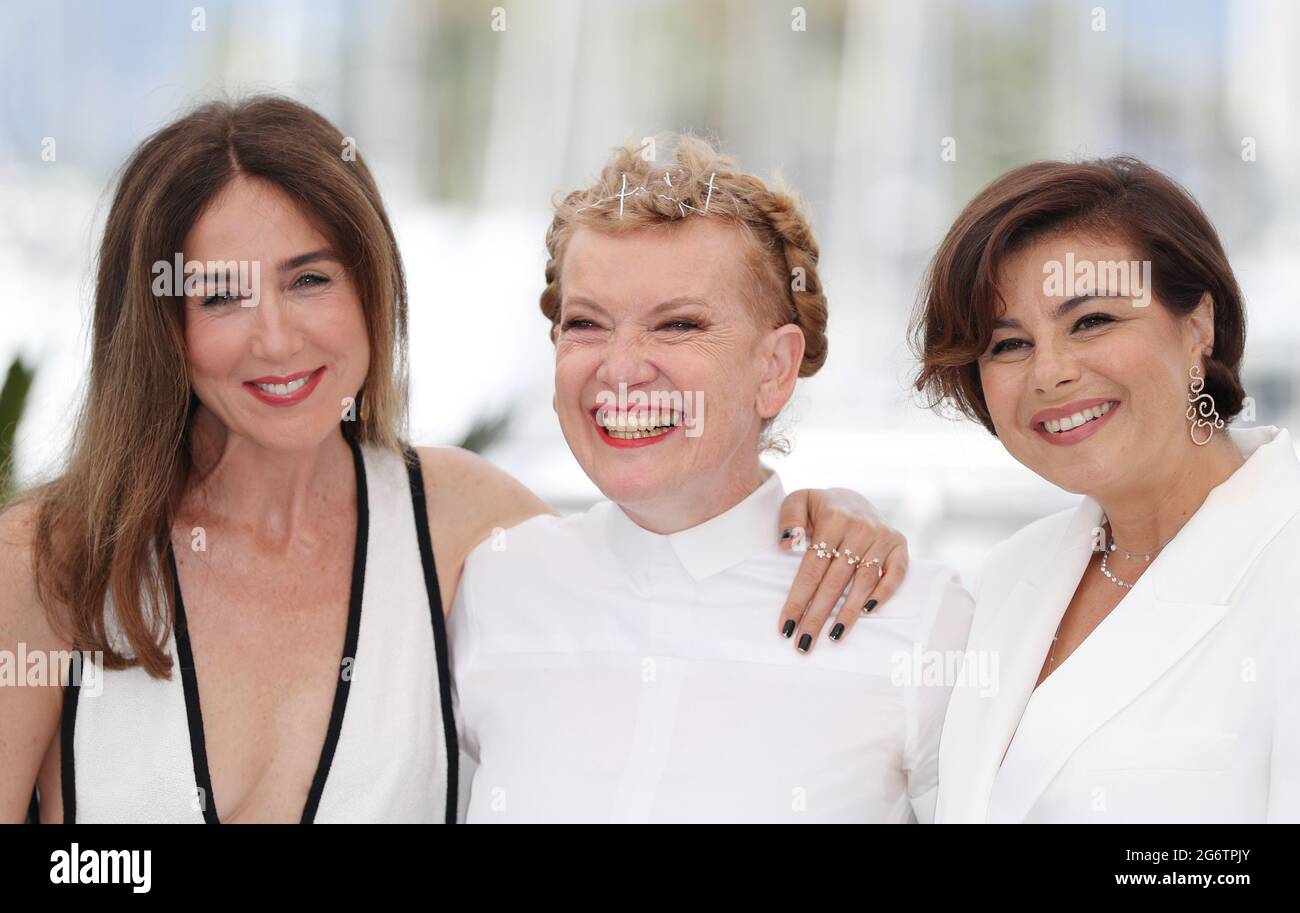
{"x":239,"y":506}
{"x":1146,"y":640}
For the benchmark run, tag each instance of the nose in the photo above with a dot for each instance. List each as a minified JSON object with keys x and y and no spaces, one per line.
{"x":1053,"y":367}
{"x":626,"y":360}
{"x":276,"y":336}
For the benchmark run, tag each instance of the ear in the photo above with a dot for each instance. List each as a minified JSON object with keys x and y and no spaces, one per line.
{"x":782,"y":353}
{"x":1200,"y":328}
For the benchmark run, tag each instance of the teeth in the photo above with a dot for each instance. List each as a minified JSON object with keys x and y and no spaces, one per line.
{"x":285,"y":389}
{"x":642,"y":424}
{"x":634,"y":435}
{"x":1056,"y":426}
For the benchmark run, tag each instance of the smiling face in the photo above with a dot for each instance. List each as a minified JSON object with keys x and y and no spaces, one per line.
{"x":669,"y":312}
{"x":277,"y":373}
{"x":1089,"y":391}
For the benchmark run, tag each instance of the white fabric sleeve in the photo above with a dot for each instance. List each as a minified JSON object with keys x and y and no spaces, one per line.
{"x":949,"y":610}
{"x":462,"y":650}
{"x":1284,"y":766}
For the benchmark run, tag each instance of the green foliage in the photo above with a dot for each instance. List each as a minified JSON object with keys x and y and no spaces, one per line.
{"x":486,"y":431}
{"x":13,"y":400}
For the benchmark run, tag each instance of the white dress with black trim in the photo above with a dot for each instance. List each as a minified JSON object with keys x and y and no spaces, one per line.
{"x":134,"y":751}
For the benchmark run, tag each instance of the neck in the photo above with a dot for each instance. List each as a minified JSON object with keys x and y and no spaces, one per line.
{"x":694,"y":505}
{"x":1145,"y":517}
{"x":280,"y":496}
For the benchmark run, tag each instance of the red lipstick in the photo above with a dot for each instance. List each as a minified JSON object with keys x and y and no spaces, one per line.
{"x":289,"y":399}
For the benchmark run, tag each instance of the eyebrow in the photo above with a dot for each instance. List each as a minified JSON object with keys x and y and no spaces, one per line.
{"x":313,"y":256}
{"x":292,"y":263}
{"x":1065,"y":307}
{"x":670,"y":304}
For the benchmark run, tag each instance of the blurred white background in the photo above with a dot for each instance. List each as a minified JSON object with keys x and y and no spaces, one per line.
{"x":471,"y":130}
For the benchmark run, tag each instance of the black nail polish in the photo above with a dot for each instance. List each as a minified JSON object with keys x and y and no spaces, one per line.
{"x":837,"y":631}
{"x":804,"y":643}
{"x":788,"y":629}
{"x":871,"y":604}
{"x":787,"y":534}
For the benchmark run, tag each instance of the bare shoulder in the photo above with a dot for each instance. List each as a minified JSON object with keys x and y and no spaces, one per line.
{"x":467,"y":498}
{"x":20,"y":612}
{"x":29,"y":717}
{"x":458,"y":478}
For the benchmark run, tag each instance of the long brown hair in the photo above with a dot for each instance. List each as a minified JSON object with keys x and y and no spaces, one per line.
{"x":102,"y":523}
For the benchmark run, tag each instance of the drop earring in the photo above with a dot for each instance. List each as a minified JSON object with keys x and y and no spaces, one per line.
{"x":1202,"y":411}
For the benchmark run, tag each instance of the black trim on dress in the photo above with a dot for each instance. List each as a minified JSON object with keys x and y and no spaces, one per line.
{"x":67,"y":759}
{"x":416,"y":472}
{"x":189,"y":680}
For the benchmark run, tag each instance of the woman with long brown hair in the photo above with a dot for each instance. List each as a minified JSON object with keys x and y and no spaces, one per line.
{"x":239,"y":501}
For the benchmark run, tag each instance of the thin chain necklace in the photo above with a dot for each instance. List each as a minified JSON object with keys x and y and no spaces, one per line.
{"x":1128,"y":556}
{"x":1051,"y":655}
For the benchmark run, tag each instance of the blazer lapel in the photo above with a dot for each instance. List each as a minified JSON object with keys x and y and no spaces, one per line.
{"x":979,"y":725}
{"x":1178,"y":601}
{"x":1132,"y":648}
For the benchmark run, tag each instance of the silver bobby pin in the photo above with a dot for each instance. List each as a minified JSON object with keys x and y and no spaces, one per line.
{"x":624,"y":193}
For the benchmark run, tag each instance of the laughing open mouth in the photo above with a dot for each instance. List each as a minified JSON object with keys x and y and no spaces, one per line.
{"x":627,"y":426}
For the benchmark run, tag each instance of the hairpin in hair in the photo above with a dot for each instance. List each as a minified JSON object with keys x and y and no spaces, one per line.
{"x":624,"y":193}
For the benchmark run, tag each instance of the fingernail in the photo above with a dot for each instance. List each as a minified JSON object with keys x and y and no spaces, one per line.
{"x":871,"y":604}
{"x":788,"y":629}
{"x":787,"y":534}
{"x":804,"y":643}
{"x":837,"y":631}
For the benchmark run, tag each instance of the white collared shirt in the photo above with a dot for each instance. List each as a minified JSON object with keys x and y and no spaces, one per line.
{"x":604,"y":673}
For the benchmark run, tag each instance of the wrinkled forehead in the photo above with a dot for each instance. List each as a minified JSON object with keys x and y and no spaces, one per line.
{"x":696,"y":257}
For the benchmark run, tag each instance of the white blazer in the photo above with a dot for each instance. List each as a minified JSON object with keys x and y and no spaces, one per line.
{"x":1183,"y":705}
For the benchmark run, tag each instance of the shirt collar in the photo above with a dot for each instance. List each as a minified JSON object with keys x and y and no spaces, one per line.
{"x":711,"y":547}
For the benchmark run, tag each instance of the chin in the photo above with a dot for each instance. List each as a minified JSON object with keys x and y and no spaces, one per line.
{"x":300,"y":434}
{"x":1079,"y":478}
{"x":624,"y":487}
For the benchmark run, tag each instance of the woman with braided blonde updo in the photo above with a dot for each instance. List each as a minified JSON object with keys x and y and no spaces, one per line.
{"x":612,"y":666}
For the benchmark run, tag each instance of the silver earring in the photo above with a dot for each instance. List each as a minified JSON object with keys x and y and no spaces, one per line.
{"x":1202,"y":412}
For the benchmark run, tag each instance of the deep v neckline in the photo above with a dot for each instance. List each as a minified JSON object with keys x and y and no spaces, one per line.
{"x":190,"y":683}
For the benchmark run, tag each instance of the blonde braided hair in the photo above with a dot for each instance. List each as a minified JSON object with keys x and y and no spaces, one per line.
{"x":633,"y":192}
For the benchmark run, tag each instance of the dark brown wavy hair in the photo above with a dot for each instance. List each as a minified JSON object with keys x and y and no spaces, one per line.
{"x":1120,"y":198}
